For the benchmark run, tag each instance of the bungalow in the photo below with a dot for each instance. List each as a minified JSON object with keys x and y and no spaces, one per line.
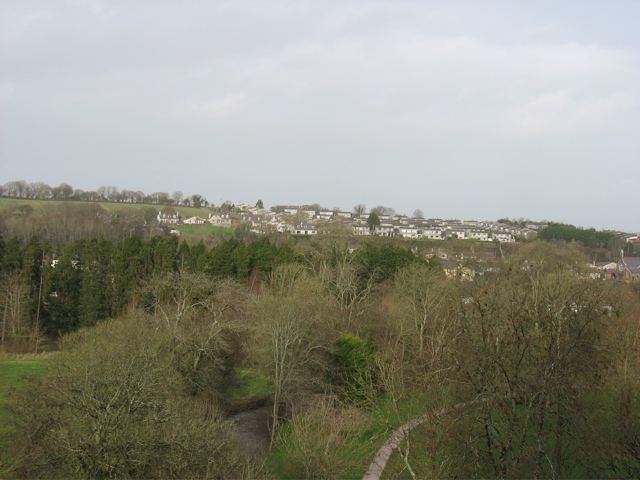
{"x":305,"y":229}
{"x":194,"y":221}
{"x":249,"y":218}
{"x":219,"y":219}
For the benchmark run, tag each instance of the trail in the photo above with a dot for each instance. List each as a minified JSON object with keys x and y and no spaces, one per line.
{"x":379,"y":462}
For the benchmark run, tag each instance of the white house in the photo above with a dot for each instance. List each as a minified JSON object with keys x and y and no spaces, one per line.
{"x":432,"y":233}
{"x":305,"y":229}
{"x":409,"y":231}
{"x":480,"y":235}
{"x":168,"y":218}
{"x":219,"y":219}
{"x":503,"y":237}
{"x":384,"y":230}
{"x":194,"y":221}
{"x":360,"y":229}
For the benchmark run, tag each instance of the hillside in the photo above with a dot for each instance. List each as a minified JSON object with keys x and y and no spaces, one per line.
{"x":40,"y":205}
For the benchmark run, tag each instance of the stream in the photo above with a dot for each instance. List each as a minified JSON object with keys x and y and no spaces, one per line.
{"x":252,"y":430}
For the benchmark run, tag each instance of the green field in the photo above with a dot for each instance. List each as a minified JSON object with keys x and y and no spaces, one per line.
{"x":13,"y":374}
{"x":184,"y":212}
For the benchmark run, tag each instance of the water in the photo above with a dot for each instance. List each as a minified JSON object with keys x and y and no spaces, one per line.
{"x":252,"y":430}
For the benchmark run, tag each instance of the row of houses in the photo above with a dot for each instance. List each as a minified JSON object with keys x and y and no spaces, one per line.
{"x":301,"y":221}
{"x":306,"y":221}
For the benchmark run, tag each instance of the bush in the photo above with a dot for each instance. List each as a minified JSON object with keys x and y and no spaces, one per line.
{"x":114,"y":406}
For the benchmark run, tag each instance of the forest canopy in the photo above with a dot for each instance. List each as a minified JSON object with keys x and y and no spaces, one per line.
{"x":513,"y":367}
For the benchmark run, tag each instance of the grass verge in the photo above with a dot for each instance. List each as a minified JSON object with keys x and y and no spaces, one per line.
{"x":14,"y":374}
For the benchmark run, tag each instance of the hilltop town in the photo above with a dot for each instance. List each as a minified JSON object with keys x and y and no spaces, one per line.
{"x":302,"y":220}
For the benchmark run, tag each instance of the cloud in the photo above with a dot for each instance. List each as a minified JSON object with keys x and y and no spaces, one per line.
{"x":563,"y":112}
{"x":574,"y":62}
{"x":466,"y":93}
{"x":222,"y":107}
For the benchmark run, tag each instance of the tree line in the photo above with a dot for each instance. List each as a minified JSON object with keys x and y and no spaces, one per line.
{"x":57,"y":290}
{"x":589,"y":237}
{"x":65,"y":192}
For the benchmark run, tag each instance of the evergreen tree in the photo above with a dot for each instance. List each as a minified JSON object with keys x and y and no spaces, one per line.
{"x":165,"y":255}
{"x":12,"y":255}
{"x":220,"y":262}
{"x":242,"y":261}
{"x":35,"y":269}
{"x":95,"y":288}
{"x":63,"y":292}
{"x":128,"y":271}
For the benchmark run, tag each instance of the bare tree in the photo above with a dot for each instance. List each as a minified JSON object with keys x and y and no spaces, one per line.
{"x":39,"y":191}
{"x":286,"y":336}
{"x":381,"y":210}
{"x":64,"y":191}
{"x":427,"y":305}
{"x":14,"y":297}
{"x":177,"y":197}
{"x":360,"y":209}
{"x":528,"y":342}
{"x":288,"y":342}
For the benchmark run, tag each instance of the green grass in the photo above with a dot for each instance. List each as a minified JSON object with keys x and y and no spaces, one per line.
{"x":14,"y":373}
{"x":381,"y":421}
{"x":184,"y":212}
{"x":249,"y":388}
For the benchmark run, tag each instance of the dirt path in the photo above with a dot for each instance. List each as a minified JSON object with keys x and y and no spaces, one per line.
{"x":379,"y":462}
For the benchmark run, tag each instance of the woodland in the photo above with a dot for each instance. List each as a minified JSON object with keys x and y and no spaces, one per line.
{"x":152,"y":344}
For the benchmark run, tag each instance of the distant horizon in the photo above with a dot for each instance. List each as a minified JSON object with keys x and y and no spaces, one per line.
{"x":267,"y":206}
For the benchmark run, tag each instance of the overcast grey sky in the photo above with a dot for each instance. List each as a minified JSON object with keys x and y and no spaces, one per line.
{"x":464,"y":109}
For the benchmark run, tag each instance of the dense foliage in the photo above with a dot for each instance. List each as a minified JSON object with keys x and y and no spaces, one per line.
{"x":524,"y":368}
{"x":88,"y":281}
{"x":568,"y":233}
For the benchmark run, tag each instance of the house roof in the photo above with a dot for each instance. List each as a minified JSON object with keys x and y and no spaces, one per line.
{"x":632,"y":264}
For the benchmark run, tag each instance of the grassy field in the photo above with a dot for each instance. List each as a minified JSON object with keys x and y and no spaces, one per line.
{"x":13,"y":374}
{"x":184,"y":212}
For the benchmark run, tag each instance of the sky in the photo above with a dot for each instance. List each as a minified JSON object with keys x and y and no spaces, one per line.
{"x":464,"y":109}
